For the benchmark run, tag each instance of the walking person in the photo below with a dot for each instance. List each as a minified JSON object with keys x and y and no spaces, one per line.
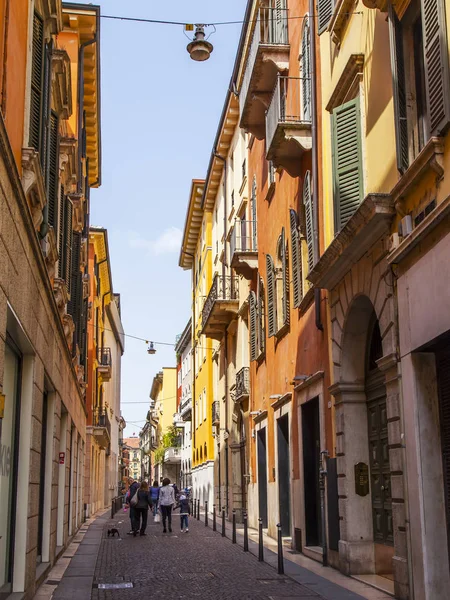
{"x":134,"y":486}
{"x":185,"y":511}
{"x":144,"y":502}
{"x":166,"y":502}
{"x":154,"y":494}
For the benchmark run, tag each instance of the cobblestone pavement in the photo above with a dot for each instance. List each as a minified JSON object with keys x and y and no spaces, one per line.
{"x":198,"y":564}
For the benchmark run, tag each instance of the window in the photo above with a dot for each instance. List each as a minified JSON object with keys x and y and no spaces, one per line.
{"x":257,"y":317}
{"x":420,"y":76}
{"x":204,"y":405}
{"x":232,"y":198}
{"x":253,"y":209}
{"x":305,"y":71}
{"x":271,"y":296}
{"x":271,"y":172}
{"x":296,"y":253}
{"x":282,"y":282}
{"x":347,"y":161}
{"x":244,"y":169}
{"x":309,"y":219}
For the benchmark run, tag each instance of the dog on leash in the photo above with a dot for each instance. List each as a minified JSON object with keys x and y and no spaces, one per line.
{"x":112,"y":532}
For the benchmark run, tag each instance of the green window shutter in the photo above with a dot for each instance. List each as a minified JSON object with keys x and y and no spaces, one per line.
{"x":325,"y":10}
{"x":285,"y":277}
{"x":347,"y":161}
{"x":306,"y":72}
{"x":44,"y":148}
{"x":297,"y":278}
{"x":37,"y":74}
{"x":436,"y":64}
{"x":52,"y":190}
{"x":61,"y":221}
{"x":399,"y":90}
{"x":271,"y":296}
{"x":261,"y":317}
{"x":253,"y":326}
{"x":75,"y":304}
{"x":68,"y":239}
{"x":307,"y":203}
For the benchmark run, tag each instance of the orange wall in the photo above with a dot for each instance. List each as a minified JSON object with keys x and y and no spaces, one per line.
{"x":304,"y":349}
{"x":90,"y":389}
{"x":13,"y":82}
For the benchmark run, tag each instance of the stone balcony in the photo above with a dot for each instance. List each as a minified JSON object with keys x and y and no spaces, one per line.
{"x":221,"y":306}
{"x":243,"y":248}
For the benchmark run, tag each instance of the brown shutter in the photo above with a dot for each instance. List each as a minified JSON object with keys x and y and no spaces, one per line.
{"x":261,"y":317}
{"x":296,"y":259}
{"x":399,"y":90}
{"x":436,"y":64}
{"x":285,"y":276}
{"x":271,"y":296}
{"x":253,"y":326}
{"x":53,"y":169}
{"x":68,"y":238}
{"x":307,"y":203}
{"x":61,"y":221}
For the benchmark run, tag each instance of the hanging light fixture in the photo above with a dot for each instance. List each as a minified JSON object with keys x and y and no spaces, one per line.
{"x":199,"y":49}
{"x":151,"y":348}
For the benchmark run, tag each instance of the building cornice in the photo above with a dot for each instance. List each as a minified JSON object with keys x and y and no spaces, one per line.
{"x":192,"y":225}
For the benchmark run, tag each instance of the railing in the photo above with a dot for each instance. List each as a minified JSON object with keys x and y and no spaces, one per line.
{"x":290,"y":104}
{"x":172,"y":454}
{"x":222,"y":289}
{"x":101,"y":419}
{"x":242,"y":382}
{"x":244,"y":238}
{"x":104,"y":357}
{"x":185,"y":406}
{"x":215,"y":412}
{"x":271,"y":28}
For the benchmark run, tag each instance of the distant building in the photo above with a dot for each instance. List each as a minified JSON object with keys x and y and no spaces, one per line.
{"x":182,"y":418}
{"x":134,"y":457}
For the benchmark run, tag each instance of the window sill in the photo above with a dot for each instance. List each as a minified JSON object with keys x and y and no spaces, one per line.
{"x":306,"y":301}
{"x":282,"y":332}
{"x":243,"y":184}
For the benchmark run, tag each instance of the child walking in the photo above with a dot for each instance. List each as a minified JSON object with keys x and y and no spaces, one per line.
{"x":185,"y":511}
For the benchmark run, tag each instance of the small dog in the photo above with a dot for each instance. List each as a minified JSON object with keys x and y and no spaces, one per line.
{"x":113,"y":532}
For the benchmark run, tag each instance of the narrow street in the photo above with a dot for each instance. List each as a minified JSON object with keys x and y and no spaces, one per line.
{"x":200,"y":563}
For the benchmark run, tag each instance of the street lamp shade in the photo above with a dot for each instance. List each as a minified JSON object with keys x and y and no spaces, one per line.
{"x":199,"y":49}
{"x":151,"y":348}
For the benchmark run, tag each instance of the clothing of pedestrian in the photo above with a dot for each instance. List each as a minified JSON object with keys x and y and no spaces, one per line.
{"x":131,"y":492}
{"x":166,"y":502}
{"x":185,"y":511}
{"x":144,"y":502}
{"x":154,"y":494}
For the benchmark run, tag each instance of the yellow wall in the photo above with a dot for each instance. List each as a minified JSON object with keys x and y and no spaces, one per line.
{"x":168,"y":397}
{"x":203,"y":374}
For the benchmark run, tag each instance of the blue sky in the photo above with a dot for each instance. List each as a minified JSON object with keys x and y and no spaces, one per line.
{"x":160,"y":112}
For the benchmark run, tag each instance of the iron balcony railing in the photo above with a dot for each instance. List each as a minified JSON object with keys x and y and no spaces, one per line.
{"x":215,"y":412}
{"x":290,"y":104}
{"x":271,"y":28}
{"x":244,"y":237}
{"x":101,"y":419}
{"x":104,"y":357}
{"x":242,"y":383}
{"x":223,"y":289}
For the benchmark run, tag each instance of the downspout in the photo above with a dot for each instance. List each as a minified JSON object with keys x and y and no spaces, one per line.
{"x":315,"y":159}
{"x":225,"y":346}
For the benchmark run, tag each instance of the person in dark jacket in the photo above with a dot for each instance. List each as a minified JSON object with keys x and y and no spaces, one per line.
{"x":144,"y":502}
{"x":185,"y":511}
{"x":134,"y":486}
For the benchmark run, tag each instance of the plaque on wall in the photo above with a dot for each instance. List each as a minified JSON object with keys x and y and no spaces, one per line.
{"x":361,"y":479}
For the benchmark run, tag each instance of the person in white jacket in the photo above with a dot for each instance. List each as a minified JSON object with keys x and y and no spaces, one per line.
{"x":166,"y":502}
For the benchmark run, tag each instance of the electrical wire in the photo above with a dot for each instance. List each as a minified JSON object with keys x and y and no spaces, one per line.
{"x":216,"y":24}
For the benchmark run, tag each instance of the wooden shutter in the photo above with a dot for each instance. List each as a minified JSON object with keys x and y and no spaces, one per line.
{"x":253,"y":326}
{"x":271,"y":296}
{"x":74,"y":307}
{"x":254,"y":239}
{"x":307,"y":203}
{"x":68,"y":237}
{"x":285,"y":277}
{"x":325,"y":10}
{"x":61,"y":221}
{"x":297,"y":278}
{"x":399,"y":90}
{"x":44,"y":147}
{"x":37,"y":74}
{"x":261,"y":317}
{"x":436,"y":64}
{"x":347,"y":161}
{"x":306,"y":72}
{"x":52,"y":190}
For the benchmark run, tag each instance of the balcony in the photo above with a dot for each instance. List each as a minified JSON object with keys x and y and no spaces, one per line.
{"x":221,"y":306}
{"x":244,"y":251}
{"x":288,"y":124}
{"x":104,"y":363}
{"x":242,"y":390}
{"x":177,"y":420}
{"x":172,"y":455}
{"x":186,"y":409}
{"x":101,"y":427}
{"x":268,"y":56}
{"x":215,"y":412}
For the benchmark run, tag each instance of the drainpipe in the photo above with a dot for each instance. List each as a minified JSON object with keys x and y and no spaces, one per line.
{"x":315,"y":159}
{"x":225,"y":347}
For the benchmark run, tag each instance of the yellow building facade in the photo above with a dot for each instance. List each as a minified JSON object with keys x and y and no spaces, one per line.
{"x":196,"y":255}
{"x":163,"y":395}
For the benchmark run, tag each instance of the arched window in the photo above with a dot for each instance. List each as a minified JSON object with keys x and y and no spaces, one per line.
{"x":282,"y":282}
{"x":305,"y":70}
